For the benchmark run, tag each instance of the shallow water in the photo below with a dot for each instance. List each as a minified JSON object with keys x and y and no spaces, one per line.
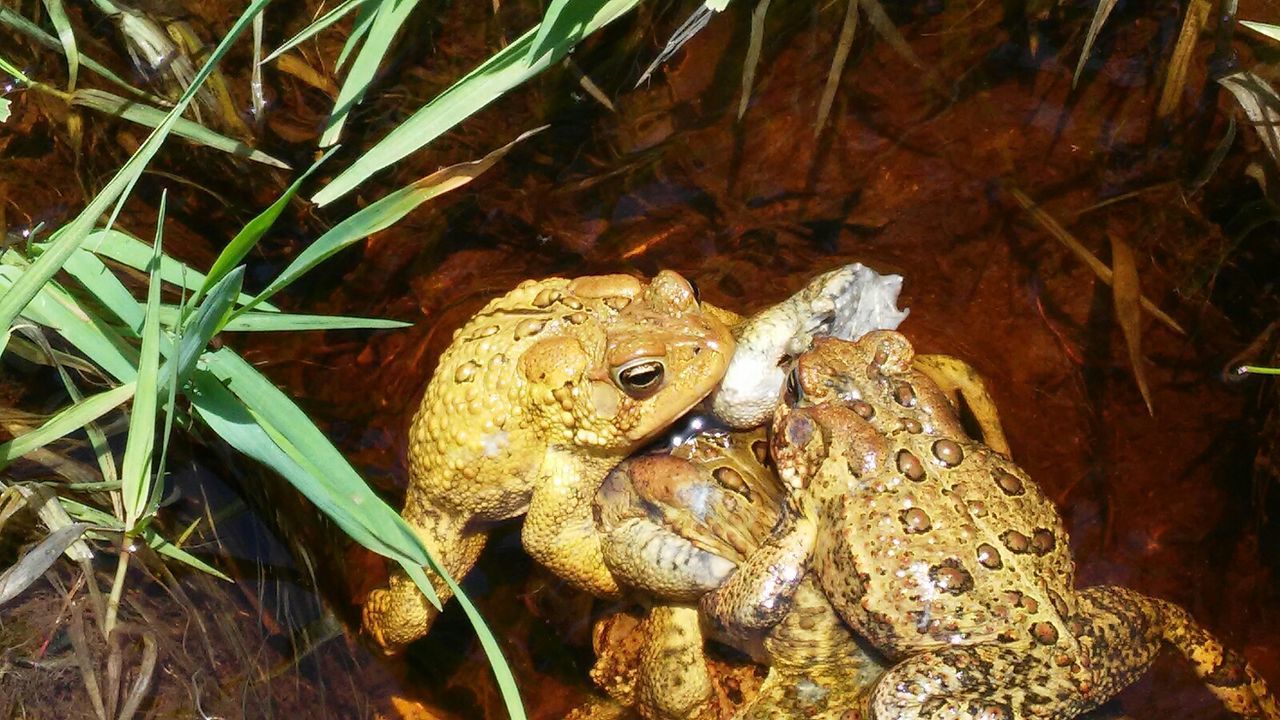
{"x":915,"y":174}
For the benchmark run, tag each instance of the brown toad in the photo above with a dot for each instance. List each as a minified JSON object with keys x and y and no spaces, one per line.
{"x":946,"y":557}
{"x":544,"y":391}
{"x":676,"y":525}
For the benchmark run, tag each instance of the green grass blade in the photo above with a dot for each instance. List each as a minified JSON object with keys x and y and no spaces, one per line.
{"x":384,"y":213}
{"x":1271,"y":31}
{"x":206,"y":322}
{"x":132,"y":252}
{"x":135,"y":468}
{"x":73,"y":234}
{"x":275,"y":410}
{"x":67,"y":421}
{"x":148,"y":116}
{"x":555,"y":23}
{"x":267,"y":426}
{"x":97,"y":518}
{"x":13,"y":70}
{"x":169,"y":383}
{"x":315,"y":27}
{"x":1257,"y":370}
{"x":94,"y":275}
{"x":492,"y":79}
{"x":283,"y":322}
{"x":252,"y":232}
{"x":360,"y":30}
{"x":497,"y":662}
{"x":57,"y":310}
{"x":161,"y":545}
{"x":97,"y":438}
{"x":66,"y":36}
{"x":1100,"y":15}
{"x":251,"y":427}
{"x":390,"y":17}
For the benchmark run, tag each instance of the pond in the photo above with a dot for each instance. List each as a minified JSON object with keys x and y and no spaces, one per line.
{"x":948,"y":167}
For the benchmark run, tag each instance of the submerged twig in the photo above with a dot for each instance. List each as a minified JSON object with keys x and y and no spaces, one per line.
{"x":752,"y":59}
{"x":847,"y":32}
{"x":1099,"y":268}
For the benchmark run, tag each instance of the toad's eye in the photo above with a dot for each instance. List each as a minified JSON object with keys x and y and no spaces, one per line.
{"x":697,"y":294}
{"x":641,"y":378}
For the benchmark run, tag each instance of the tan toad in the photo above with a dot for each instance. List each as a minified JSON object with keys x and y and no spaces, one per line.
{"x":946,"y":557}
{"x":537,"y":398}
{"x":551,"y":385}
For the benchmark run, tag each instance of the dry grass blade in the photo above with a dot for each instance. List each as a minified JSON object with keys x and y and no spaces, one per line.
{"x":295,"y":65}
{"x":879,"y":20}
{"x":21,"y":574}
{"x":1099,"y":268}
{"x":45,"y":502}
{"x":682,"y":35}
{"x":1261,"y":105}
{"x":753,"y":55}
{"x":1099,"y":17}
{"x":11,"y":501}
{"x":1176,"y":80}
{"x":1128,"y":295}
{"x":847,"y":31}
{"x":115,"y":670}
{"x":84,"y":660}
{"x":589,"y":85}
{"x":143,"y":681}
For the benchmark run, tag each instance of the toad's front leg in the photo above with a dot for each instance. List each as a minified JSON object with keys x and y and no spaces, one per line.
{"x":759,"y":594}
{"x":399,"y":614}
{"x":559,"y":530}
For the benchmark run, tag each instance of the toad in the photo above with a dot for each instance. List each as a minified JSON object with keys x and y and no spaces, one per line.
{"x":542,"y":393}
{"x":676,"y":525}
{"x":946,"y":557}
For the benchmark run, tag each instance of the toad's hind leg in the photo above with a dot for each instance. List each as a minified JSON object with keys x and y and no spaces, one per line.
{"x":977,"y":682}
{"x":399,"y":614}
{"x":1129,"y":628}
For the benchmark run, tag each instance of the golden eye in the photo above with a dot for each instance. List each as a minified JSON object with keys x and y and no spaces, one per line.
{"x":640,"y":379}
